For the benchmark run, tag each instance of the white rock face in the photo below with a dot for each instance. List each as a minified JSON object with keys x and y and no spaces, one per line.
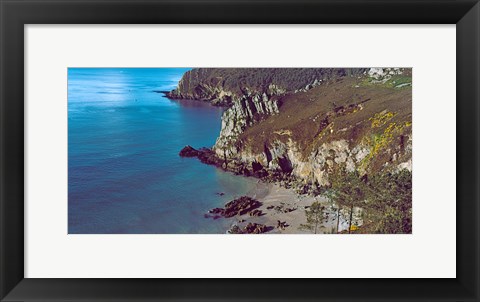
{"x":406,"y":165}
{"x":243,"y":113}
{"x":316,"y":167}
{"x":376,"y":73}
{"x":384,"y":74}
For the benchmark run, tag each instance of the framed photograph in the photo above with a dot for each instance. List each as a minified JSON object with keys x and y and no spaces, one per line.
{"x":239,"y":150}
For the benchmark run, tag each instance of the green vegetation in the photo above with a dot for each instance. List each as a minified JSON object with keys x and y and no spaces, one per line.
{"x":316,"y":215}
{"x":380,"y":142}
{"x":390,"y":203}
{"x":386,"y":200}
{"x":381,"y":118}
{"x":399,"y":81}
{"x":347,"y":191}
{"x":396,"y":81}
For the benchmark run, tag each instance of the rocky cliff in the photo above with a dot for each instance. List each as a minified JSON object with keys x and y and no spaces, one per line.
{"x":297,"y":125}
{"x":225,"y":86}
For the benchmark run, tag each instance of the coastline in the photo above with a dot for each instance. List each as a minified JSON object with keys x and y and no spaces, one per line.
{"x":293,"y":161}
{"x":283,"y":208}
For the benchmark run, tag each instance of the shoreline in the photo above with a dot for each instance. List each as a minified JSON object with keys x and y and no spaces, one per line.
{"x":284,"y":205}
{"x":279,"y":203}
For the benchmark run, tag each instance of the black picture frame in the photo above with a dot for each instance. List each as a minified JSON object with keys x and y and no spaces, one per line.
{"x":16,"y":13}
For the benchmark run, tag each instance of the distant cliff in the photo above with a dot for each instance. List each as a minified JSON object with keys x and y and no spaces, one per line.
{"x":224,"y":86}
{"x":295,"y":125}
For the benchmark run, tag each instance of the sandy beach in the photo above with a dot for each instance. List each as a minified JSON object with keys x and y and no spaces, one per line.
{"x":285,"y":205}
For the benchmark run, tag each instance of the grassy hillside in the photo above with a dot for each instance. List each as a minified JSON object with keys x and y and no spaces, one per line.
{"x":349,"y":108}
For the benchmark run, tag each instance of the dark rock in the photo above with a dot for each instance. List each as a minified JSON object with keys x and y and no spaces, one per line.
{"x":256,"y":212}
{"x":251,"y":228}
{"x":216,"y":211}
{"x":162,"y":91}
{"x":255,"y":228}
{"x":188,"y":151}
{"x":281,"y":225}
{"x":256,"y":166}
{"x":285,"y":164}
{"x":205,"y":155}
{"x":239,"y":206}
{"x":282,"y":209}
{"x":260,"y":173}
{"x":235,"y":229}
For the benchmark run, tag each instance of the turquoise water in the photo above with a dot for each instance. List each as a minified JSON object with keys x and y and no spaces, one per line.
{"x":124,"y":172}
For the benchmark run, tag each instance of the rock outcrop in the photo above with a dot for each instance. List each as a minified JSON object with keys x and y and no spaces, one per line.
{"x":250,"y":228}
{"x":240,"y":206}
{"x":242,"y":114}
{"x":189,"y":151}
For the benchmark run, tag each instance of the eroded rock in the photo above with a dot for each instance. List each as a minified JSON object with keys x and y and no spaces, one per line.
{"x":188,"y":151}
{"x":239,"y":206}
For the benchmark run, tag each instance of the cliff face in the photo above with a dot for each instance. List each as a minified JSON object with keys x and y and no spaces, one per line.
{"x":243,"y":113}
{"x":297,"y":125}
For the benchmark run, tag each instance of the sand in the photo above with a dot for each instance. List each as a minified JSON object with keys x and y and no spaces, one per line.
{"x":280,"y":198}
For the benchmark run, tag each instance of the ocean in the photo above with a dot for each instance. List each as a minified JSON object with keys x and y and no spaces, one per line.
{"x":124,"y":172}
